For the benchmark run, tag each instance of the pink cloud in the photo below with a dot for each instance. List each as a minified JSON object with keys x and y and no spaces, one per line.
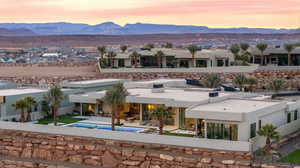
{"x":36,"y":10}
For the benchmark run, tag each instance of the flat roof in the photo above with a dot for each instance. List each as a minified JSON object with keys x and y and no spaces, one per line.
{"x":20,"y":91}
{"x":161,"y":81}
{"x":232,"y":109}
{"x":171,"y":97}
{"x":236,"y":106}
{"x":92,"y":83}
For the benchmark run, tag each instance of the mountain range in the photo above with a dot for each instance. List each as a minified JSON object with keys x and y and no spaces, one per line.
{"x":16,"y":32}
{"x":110,"y":28}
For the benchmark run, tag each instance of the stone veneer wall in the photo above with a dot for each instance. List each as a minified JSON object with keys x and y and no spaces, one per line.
{"x":22,"y":149}
{"x":63,"y":150}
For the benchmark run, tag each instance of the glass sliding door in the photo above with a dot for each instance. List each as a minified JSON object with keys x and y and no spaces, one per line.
{"x":182,"y":118}
{"x":222,"y":131}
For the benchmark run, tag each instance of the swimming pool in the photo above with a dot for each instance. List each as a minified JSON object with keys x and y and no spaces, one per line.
{"x":106,"y":127}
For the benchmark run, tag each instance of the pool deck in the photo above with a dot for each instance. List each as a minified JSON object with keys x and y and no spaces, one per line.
{"x":107,"y":121}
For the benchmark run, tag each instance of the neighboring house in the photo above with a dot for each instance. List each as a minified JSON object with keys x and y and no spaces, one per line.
{"x":7,"y":60}
{"x":10,"y":93}
{"x":276,"y":56}
{"x":10,"y":96}
{"x":180,"y":58}
{"x":51,"y":55}
{"x":209,"y":114}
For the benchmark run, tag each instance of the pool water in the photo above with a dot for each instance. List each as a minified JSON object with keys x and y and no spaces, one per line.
{"x":106,"y":127}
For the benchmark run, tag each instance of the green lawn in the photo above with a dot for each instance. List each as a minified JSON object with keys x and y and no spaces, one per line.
{"x":177,"y":134}
{"x":293,"y":157}
{"x":67,"y":119}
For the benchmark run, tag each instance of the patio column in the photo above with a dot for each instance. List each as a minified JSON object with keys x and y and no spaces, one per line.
{"x":205,"y":129}
{"x":81,"y":108}
{"x":196,"y":126}
{"x":141,"y":112}
{"x":96,"y":109}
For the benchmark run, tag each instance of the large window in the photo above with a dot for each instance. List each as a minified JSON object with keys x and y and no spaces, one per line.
{"x":182,"y":118}
{"x":222,"y":131}
{"x":149,"y":61}
{"x":201,"y":63}
{"x":121,"y":63}
{"x":295,"y":115}
{"x":88,"y":109}
{"x":288,"y":117}
{"x":184,"y":63}
{"x":253,"y":130}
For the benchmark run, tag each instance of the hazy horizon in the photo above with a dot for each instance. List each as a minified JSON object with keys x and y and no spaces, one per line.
{"x":145,"y":23}
{"x":211,"y":13}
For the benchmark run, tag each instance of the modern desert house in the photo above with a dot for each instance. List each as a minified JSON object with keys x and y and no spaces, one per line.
{"x":173,"y":58}
{"x":208,"y":113}
{"x":11,"y":92}
{"x":276,"y":56}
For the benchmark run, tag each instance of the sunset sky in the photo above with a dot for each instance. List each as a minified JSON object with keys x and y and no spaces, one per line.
{"x":212,"y":13}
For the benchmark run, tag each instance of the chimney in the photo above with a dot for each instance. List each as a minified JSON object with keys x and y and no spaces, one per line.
{"x":213,"y":94}
{"x":158,"y":88}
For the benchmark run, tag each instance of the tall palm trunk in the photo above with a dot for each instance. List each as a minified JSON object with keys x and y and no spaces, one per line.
{"x":289,"y":59}
{"x":118,"y":116}
{"x":55,"y":116}
{"x":113,"y":116}
{"x":158,"y":62}
{"x":161,"y":126}
{"x":111,"y":62}
{"x":193,"y":61}
{"x":262,"y":59}
{"x":135,"y":62}
{"x":268,"y":146}
{"x":29,"y":115}
{"x":22,"y":115}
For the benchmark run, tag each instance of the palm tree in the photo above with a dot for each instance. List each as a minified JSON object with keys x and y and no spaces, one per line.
{"x":169,"y":45}
{"x":45,"y":108}
{"x":161,"y":114}
{"x":135,"y":55}
{"x":251,"y":81}
{"x":102,"y":51}
{"x":123,"y":48}
{"x":244,"y":46}
{"x":213,"y":80}
{"x":193,"y":49}
{"x":240,"y":80}
{"x":289,"y":48}
{"x":55,"y":97}
{"x":21,"y":105}
{"x":149,"y":46}
{"x":269,"y":131}
{"x":276,"y":85}
{"x":235,"y":50}
{"x":159,"y":55}
{"x":31,"y":103}
{"x":115,"y":97}
{"x":245,"y":53}
{"x":111,"y":57}
{"x":262,"y":47}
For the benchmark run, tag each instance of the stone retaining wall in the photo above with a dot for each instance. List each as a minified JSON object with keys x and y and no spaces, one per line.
{"x":22,"y":149}
{"x":112,"y":153}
